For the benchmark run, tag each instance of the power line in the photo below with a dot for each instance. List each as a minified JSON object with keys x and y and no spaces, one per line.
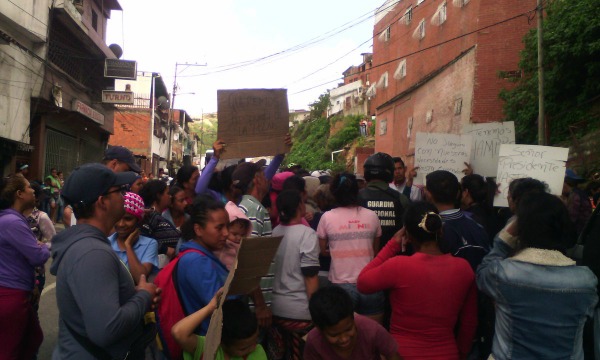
{"x":298,"y":47}
{"x":432,"y":46}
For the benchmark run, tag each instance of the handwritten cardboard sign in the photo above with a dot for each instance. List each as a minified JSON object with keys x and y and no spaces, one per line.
{"x":487,"y":139}
{"x":253,"y":122}
{"x":253,"y":260}
{"x":436,"y":151}
{"x":545,"y":163}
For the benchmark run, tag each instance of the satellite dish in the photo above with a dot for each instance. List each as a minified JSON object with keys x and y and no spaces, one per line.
{"x":163,"y":103}
{"x":116,"y":49}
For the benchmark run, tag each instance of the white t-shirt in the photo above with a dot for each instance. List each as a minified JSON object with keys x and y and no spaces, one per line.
{"x":299,"y":248}
{"x":350,"y":232}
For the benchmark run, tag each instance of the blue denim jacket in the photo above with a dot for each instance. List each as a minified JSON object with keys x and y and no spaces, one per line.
{"x":542,"y":301}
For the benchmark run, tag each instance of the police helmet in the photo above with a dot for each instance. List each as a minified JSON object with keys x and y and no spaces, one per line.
{"x":379,"y":166}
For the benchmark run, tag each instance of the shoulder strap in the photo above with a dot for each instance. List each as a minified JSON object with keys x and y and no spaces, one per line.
{"x":176,"y":280}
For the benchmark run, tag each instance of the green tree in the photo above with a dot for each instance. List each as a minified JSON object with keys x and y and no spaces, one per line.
{"x":571,"y":73}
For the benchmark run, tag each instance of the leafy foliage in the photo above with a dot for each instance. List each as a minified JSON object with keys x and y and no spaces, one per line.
{"x":571,"y":73}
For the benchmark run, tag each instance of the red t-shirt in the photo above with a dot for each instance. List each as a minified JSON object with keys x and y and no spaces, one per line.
{"x":429,"y":295}
{"x":372,"y":340}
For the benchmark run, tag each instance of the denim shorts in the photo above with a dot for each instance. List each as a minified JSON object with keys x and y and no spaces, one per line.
{"x":371,"y":304}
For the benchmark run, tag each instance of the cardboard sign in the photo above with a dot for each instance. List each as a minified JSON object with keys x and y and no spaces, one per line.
{"x":435,"y":151}
{"x":253,"y":122}
{"x":545,"y":163}
{"x":253,"y":260}
{"x":487,"y":139}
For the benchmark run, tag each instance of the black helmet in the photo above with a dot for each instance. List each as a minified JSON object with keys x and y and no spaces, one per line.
{"x":379,"y":166}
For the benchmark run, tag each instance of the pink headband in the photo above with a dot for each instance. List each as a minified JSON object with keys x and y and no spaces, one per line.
{"x":134,"y":205}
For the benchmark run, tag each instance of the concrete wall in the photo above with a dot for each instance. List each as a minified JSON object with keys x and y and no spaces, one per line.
{"x":21,"y":74}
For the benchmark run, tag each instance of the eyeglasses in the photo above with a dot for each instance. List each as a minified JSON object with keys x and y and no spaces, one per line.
{"x":122,"y":189}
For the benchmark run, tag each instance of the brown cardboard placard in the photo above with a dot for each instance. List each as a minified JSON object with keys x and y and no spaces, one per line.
{"x":253,"y":122}
{"x":254,"y":257}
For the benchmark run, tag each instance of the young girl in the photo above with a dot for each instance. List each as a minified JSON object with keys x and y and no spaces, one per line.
{"x":238,"y":338}
{"x":296,"y":277}
{"x":175,"y":213}
{"x":200,"y":273}
{"x":239,"y":228}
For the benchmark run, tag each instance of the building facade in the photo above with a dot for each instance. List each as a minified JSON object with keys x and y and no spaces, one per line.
{"x":162,"y":143}
{"x":59,"y":118}
{"x":439,"y":65}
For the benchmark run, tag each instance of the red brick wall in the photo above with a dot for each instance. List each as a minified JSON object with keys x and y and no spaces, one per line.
{"x":132,"y":130}
{"x":495,"y":49}
{"x":362,"y":153}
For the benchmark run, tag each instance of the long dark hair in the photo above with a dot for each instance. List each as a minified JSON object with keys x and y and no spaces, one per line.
{"x":151,"y":191}
{"x":8,"y":190}
{"x":288,"y":202}
{"x":344,"y":189}
{"x":422,"y":222}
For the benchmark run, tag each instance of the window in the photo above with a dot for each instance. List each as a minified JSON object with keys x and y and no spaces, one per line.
{"x":460,"y":3}
{"x":458,"y":106}
{"x":383,"y":127}
{"x":420,"y":30}
{"x":388,"y":33}
{"x":94,"y":20}
{"x":419,"y":2}
{"x":408,"y":16}
{"x":383,"y":80}
{"x":442,"y":15}
{"x":400,"y":70}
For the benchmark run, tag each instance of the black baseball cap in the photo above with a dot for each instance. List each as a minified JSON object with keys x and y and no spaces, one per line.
{"x":122,"y":154}
{"x":244,"y":173}
{"x":90,"y":181}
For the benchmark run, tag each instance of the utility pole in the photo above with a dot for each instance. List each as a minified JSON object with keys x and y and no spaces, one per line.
{"x":172,"y":113}
{"x":540,"y":64}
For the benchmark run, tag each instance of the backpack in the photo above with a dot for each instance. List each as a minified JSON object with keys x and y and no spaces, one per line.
{"x":170,"y":310}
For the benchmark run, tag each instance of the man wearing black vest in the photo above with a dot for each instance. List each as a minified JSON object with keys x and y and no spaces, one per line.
{"x":388,"y":203}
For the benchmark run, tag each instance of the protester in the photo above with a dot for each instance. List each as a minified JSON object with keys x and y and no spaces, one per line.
{"x":39,"y":221}
{"x":20,"y":253}
{"x":136,"y":185}
{"x":296,"y":270}
{"x":433,"y":295}
{"x":187,"y":176}
{"x":476,"y":201}
{"x":379,"y":197}
{"x":577,"y":201}
{"x":341,"y":334}
{"x":312,"y":183}
{"x":350,"y":234}
{"x":137,"y":252}
{"x":200,"y":273}
{"x":54,"y":186}
{"x":542,"y":298}
{"x":462,"y":236}
{"x":238,"y":337}
{"x":325,"y":201}
{"x":276,"y":188}
{"x":175,"y":213}
{"x":239,"y":228}
{"x":155,"y":194}
{"x":101,"y":311}
{"x":250,"y":179}
{"x":120,"y":159}
{"x":404,"y":184}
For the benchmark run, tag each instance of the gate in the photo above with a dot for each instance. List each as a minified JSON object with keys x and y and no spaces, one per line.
{"x":61,"y":152}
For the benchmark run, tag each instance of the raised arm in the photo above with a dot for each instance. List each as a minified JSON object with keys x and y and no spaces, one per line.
{"x":183,"y":330}
{"x":204,"y":179}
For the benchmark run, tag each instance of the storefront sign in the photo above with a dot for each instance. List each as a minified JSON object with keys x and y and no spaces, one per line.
{"x":87,"y":111}
{"x":120,"y":69}
{"x":117,"y":97}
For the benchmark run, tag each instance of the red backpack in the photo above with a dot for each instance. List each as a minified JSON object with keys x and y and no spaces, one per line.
{"x":170,"y":309}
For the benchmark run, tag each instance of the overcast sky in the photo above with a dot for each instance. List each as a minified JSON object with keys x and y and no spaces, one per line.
{"x":159,"y":34}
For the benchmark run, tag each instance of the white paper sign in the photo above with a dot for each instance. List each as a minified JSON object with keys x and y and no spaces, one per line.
{"x":487,"y":139}
{"x":545,"y":163}
{"x":436,"y":151}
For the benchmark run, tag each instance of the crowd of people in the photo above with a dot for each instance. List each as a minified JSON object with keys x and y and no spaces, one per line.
{"x":370,"y":266}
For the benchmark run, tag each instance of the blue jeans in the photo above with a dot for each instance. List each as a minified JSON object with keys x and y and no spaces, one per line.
{"x":364,"y":304}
